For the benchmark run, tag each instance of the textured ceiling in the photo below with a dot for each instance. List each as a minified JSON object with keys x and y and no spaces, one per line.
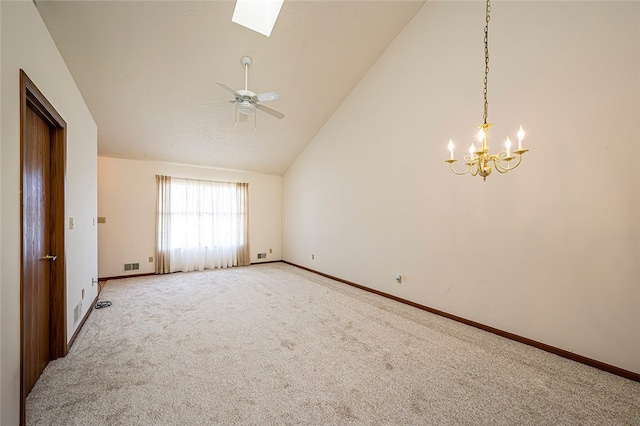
{"x":147,"y":69}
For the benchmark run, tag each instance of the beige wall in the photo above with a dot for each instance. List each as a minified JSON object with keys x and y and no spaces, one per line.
{"x":26,"y":44}
{"x":550,"y":251}
{"x":127,"y":199}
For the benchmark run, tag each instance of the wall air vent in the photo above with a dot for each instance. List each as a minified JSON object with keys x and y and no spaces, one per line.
{"x":131,"y":266}
{"x":262,"y":255}
{"x":77,"y":311}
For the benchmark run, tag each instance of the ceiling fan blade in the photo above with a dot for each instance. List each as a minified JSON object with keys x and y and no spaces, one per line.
{"x":270,"y":111}
{"x":232,"y":101}
{"x":224,"y":86}
{"x":266,"y":97}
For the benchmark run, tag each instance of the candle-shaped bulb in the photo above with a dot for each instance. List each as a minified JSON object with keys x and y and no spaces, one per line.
{"x":480,"y":135}
{"x":472,"y":150}
{"x":450,"y":146}
{"x":507,"y":145}
{"x":520,"y":137}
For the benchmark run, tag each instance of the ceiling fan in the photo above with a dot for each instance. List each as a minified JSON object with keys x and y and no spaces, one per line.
{"x":246,"y":101}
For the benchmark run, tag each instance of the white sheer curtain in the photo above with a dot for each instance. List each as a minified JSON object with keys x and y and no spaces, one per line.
{"x":163,"y":224}
{"x":203,"y":225}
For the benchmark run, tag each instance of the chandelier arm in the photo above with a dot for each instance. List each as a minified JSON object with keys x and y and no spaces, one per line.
{"x":498,"y":159}
{"x":497,"y":162}
{"x":460,"y":173}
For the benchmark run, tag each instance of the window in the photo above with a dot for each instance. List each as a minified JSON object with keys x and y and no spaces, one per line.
{"x":201,"y":224}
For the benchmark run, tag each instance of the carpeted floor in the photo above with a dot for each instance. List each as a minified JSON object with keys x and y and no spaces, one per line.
{"x":273,"y":344}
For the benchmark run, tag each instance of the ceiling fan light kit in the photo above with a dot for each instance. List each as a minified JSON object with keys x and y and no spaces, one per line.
{"x":247,"y":102}
{"x":245,"y":108}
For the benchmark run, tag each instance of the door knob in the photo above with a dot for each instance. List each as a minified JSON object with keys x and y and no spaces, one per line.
{"x":49,"y":257}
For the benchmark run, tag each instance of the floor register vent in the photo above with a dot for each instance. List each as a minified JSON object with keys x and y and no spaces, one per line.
{"x":131,"y":266}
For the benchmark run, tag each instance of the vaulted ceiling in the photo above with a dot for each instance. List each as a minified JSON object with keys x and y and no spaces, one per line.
{"x":148,"y":71}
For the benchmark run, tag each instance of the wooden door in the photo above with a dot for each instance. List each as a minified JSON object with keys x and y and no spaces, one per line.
{"x":43,"y":303}
{"x":38,"y":256}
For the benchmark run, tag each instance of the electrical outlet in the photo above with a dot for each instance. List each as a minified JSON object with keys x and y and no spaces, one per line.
{"x":270,"y":251}
{"x":313,"y":257}
{"x":102,"y":219}
{"x":70,"y":223}
{"x":150,"y":259}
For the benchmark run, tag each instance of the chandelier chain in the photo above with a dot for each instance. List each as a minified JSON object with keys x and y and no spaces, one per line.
{"x":486,"y":60}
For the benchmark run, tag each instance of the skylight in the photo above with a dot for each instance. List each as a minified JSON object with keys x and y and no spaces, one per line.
{"x":257,"y":15}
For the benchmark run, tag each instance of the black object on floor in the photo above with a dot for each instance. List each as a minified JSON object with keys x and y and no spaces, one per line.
{"x":104,"y":304}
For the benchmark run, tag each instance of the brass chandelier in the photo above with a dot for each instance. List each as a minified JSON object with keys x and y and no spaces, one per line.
{"x":478,"y":160}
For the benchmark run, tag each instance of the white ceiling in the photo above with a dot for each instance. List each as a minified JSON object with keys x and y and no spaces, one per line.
{"x":147,"y":69}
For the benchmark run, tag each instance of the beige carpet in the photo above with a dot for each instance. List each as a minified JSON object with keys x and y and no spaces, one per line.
{"x":273,"y":344}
